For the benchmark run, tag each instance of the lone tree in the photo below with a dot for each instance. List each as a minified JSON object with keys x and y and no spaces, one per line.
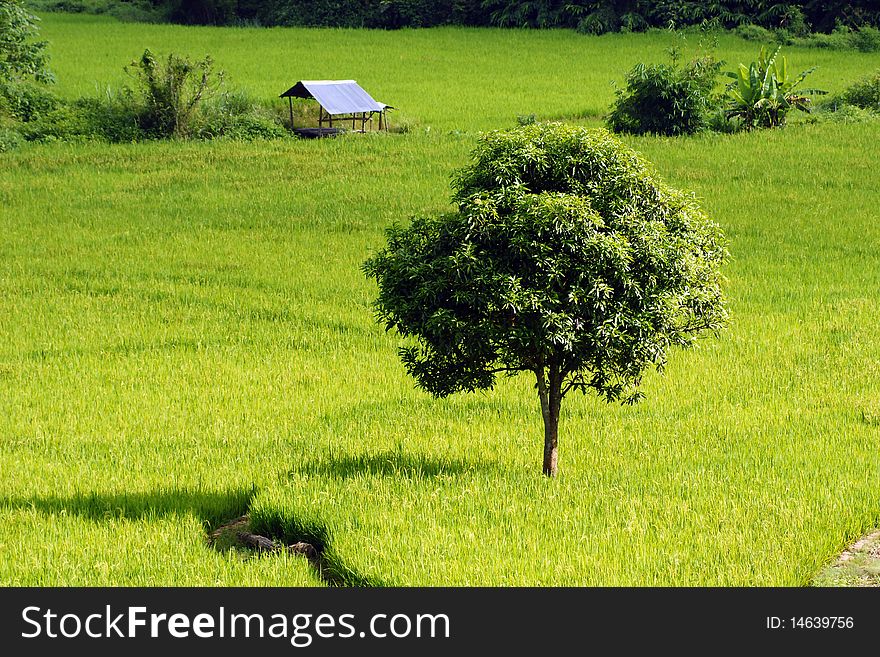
{"x":566,"y":258}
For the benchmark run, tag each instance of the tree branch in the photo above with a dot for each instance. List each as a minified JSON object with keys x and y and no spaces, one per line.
{"x":506,"y":369}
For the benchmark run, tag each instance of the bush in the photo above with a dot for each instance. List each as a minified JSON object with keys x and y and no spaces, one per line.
{"x":235,"y":116}
{"x":113,"y":118}
{"x":751,"y":32}
{"x":865,"y":39}
{"x":601,"y":21}
{"x":388,"y":14}
{"x":789,"y":18}
{"x":665,"y":99}
{"x":864,"y":94}
{"x":25,"y":101}
{"x":717,"y":121}
{"x":850,"y":114}
{"x":142,"y":11}
{"x":9,"y":139}
{"x":203,"y":12}
{"x":119,"y":118}
{"x":171,"y":92}
{"x":74,"y":6}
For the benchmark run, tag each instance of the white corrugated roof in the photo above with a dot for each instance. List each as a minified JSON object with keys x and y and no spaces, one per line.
{"x":335,"y":96}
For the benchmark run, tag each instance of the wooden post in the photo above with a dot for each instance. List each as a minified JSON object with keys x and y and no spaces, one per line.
{"x":290,"y":98}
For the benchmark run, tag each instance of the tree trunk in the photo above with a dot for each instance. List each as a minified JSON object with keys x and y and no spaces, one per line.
{"x":550,"y":393}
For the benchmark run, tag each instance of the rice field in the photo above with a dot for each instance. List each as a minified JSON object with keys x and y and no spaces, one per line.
{"x":186,"y":336}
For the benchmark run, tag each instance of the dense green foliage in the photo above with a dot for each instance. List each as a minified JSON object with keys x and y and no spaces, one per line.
{"x":763,"y":93}
{"x":173,"y":92}
{"x":125,"y":117}
{"x":24,"y":61}
{"x":566,"y":259}
{"x":863,"y":93}
{"x":175,"y":98}
{"x":185,"y":335}
{"x":863,"y":38}
{"x":22,"y":57}
{"x":594,"y":16}
{"x":666,"y":99}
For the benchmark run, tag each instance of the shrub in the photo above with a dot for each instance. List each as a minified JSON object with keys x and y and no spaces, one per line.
{"x":172,"y":92}
{"x":9,"y":139}
{"x":24,"y":100}
{"x":203,"y":12}
{"x":850,"y":114}
{"x":112,"y":118}
{"x":119,"y":118}
{"x":235,"y":116}
{"x":718,"y":121}
{"x":601,"y":21}
{"x":665,"y":99}
{"x":864,"y":93}
{"x":789,"y":18}
{"x":865,"y":39}
{"x":751,"y":32}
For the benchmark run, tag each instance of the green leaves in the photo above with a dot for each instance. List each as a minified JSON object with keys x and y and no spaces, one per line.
{"x":173,"y":91}
{"x":23,"y":64}
{"x":665,"y":99}
{"x":21,"y":57}
{"x":763,"y":93}
{"x":565,"y":252}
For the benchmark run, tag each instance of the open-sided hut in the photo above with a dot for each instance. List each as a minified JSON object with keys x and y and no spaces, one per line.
{"x":339,"y":100}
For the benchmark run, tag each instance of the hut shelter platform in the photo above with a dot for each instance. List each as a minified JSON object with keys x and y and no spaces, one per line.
{"x":342,"y":101}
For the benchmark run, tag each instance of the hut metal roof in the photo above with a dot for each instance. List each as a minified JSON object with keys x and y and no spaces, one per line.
{"x":335,"y":96}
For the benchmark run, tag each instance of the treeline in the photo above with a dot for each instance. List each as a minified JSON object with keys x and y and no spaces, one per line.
{"x":596,"y":17}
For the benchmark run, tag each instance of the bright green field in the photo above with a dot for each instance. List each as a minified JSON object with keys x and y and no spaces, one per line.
{"x":185,"y":336}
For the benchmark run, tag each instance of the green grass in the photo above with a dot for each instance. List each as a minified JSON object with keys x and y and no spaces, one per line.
{"x":185,"y":335}
{"x":443,"y":78}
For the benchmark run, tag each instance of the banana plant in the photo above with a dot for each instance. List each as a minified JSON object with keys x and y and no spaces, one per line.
{"x":762,"y":94}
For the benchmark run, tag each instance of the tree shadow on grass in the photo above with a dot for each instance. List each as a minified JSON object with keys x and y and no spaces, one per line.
{"x":211,"y":507}
{"x":392,"y":464}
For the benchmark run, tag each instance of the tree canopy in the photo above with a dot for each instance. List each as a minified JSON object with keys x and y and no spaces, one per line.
{"x":566,"y":257}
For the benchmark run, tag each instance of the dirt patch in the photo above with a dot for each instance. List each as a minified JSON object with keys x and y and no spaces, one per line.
{"x":858,"y":565}
{"x":236,"y":535}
